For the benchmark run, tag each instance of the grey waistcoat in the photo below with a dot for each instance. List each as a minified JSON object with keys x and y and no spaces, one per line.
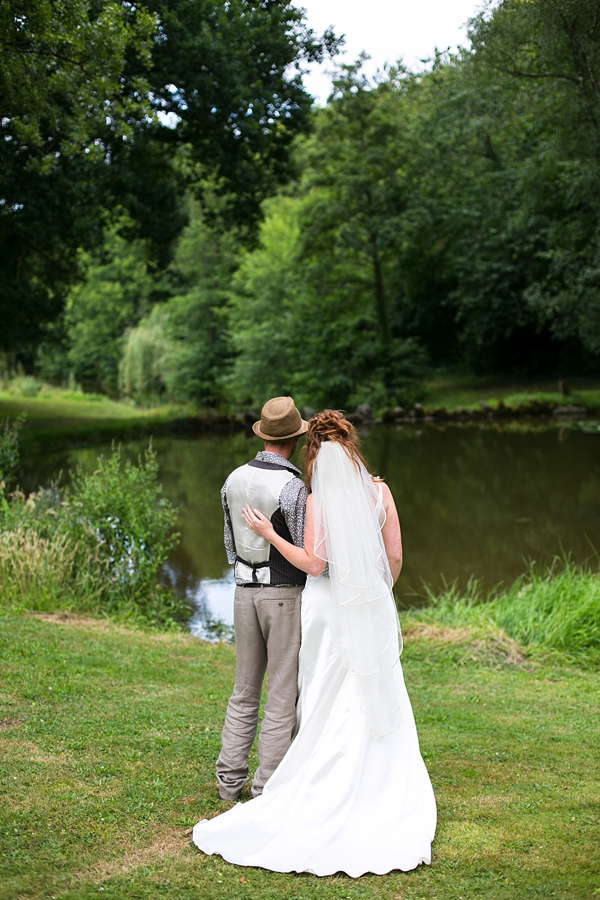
{"x":260,"y":484}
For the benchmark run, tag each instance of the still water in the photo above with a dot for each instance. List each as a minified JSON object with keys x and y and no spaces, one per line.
{"x":473,"y":501}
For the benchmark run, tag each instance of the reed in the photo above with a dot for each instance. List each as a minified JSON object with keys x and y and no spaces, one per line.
{"x":555,"y":609}
{"x":48,"y":573}
{"x":96,"y":546}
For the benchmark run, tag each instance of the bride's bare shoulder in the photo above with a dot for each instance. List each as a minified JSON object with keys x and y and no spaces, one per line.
{"x":386,"y":493}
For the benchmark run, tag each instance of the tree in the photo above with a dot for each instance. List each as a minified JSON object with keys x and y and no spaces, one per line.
{"x":113,"y":297}
{"x":550,"y":51}
{"x":102,"y":98}
{"x":355,"y":202}
{"x":301,"y":328}
{"x":228,"y":74}
{"x":182,"y":347}
{"x":499,"y":218}
{"x":266,"y":315}
{"x":554,"y":47}
{"x":64,"y":93}
{"x":470,"y":241}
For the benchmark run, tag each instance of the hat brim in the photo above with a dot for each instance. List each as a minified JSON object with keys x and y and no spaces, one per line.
{"x":281,"y":437}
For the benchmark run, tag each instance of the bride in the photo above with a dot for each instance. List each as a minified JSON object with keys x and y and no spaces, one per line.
{"x":352,"y":794}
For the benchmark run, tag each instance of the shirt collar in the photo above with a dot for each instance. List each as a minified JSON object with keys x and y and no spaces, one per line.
{"x":268,"y":456}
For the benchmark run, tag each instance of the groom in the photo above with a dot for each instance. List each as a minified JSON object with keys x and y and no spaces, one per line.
{"x":267,"y":600}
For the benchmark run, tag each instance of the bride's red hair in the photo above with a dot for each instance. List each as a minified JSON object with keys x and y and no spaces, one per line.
{"x":330,"y":425}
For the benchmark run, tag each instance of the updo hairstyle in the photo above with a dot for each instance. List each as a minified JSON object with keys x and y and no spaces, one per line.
{"x":330,"y":425}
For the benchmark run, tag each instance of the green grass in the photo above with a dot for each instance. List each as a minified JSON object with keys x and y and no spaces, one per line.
{"x":66,"y":416}
{"x":109,"y":735}
{"x":552,"y":610}
{"x":72,"y":405}
{"x":469,"y":392}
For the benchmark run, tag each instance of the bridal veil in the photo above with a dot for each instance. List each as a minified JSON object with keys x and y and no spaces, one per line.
{"x":348,"y":520}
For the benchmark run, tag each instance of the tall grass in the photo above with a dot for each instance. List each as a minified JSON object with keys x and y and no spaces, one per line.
{"x":48,"y":573}
{"x":557,"y":609}
{"x":96,"y":546}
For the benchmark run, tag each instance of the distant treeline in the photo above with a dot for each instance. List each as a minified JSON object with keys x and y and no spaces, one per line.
{"x":444,"y":218}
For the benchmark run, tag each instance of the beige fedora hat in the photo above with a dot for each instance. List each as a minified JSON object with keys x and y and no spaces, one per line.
{"x":280,"y":420}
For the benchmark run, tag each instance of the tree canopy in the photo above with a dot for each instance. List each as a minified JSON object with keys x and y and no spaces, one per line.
{"x":442,"y":218}
{"x":110,"y":106}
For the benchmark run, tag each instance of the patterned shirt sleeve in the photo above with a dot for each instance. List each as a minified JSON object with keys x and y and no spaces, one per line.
{"x":227,"y":528}
{"x":292,"y":502}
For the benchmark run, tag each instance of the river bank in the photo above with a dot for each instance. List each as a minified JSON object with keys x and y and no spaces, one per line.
{"x":108,"y":737}
{"x":73,"y":418}
{"x":54,"y":417}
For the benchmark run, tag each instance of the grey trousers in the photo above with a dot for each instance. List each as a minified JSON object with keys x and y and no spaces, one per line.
{"x":267,"y":638}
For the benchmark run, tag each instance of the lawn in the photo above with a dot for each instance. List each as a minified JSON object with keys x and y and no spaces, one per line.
{"x":469,"y":392}
{"x":57,"y":416}
{"x":108,"y":738}
{"x":68,"y":406}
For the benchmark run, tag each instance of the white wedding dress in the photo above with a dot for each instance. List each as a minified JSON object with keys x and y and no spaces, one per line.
{"x":349,"y":795}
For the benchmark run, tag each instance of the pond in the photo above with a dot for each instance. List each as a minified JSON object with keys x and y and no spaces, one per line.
{"x":473,"y":501}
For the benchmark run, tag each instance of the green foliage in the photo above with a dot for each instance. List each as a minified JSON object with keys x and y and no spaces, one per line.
{"x":146,"y":356}
{"x":267,"y":307}
{"x":105,"y":107}
{"x":62,"y":67}
{"x":120,"y":511}
{"x":9,"y":451}
{"x":447,"y":217}
{"x":183,"y":347}
{"x":353,"y":212}
{"x":551,"y":56}
{"x":95,"y":546}
{"x":557,"y":609}
{"x":301,"y":326}
{"x":453,"y":208}
{"x":112,"y":298}
{"x":498,"y":261}
{"x":239,"y":111}
{"x":67,"y":103}
{"x":24,"y":386}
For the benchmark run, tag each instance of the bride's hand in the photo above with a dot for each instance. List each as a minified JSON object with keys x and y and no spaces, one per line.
{"x":258,"y":522}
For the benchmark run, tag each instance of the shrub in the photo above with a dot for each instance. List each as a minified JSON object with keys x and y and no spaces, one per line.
{"x":120,"y":513}
{"x":46,"y":573}
{"x":9,"y":450}
{"x":96,"y":546}
{"x":25,"y":386}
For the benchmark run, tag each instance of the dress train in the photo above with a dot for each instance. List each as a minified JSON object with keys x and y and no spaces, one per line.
{"x":341,"y":800}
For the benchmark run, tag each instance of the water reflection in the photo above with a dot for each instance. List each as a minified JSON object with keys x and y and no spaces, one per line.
{"x":213,"y":618}
{"x":472,"y":501}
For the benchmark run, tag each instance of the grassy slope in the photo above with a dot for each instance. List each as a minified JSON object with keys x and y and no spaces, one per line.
{"x":109,"y":736}
{"x":552,"y":609}
{"x":468,"y":392}
{"x":58,"y":418}
{"x":68,"y":411}
{"x":61,"y":407}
